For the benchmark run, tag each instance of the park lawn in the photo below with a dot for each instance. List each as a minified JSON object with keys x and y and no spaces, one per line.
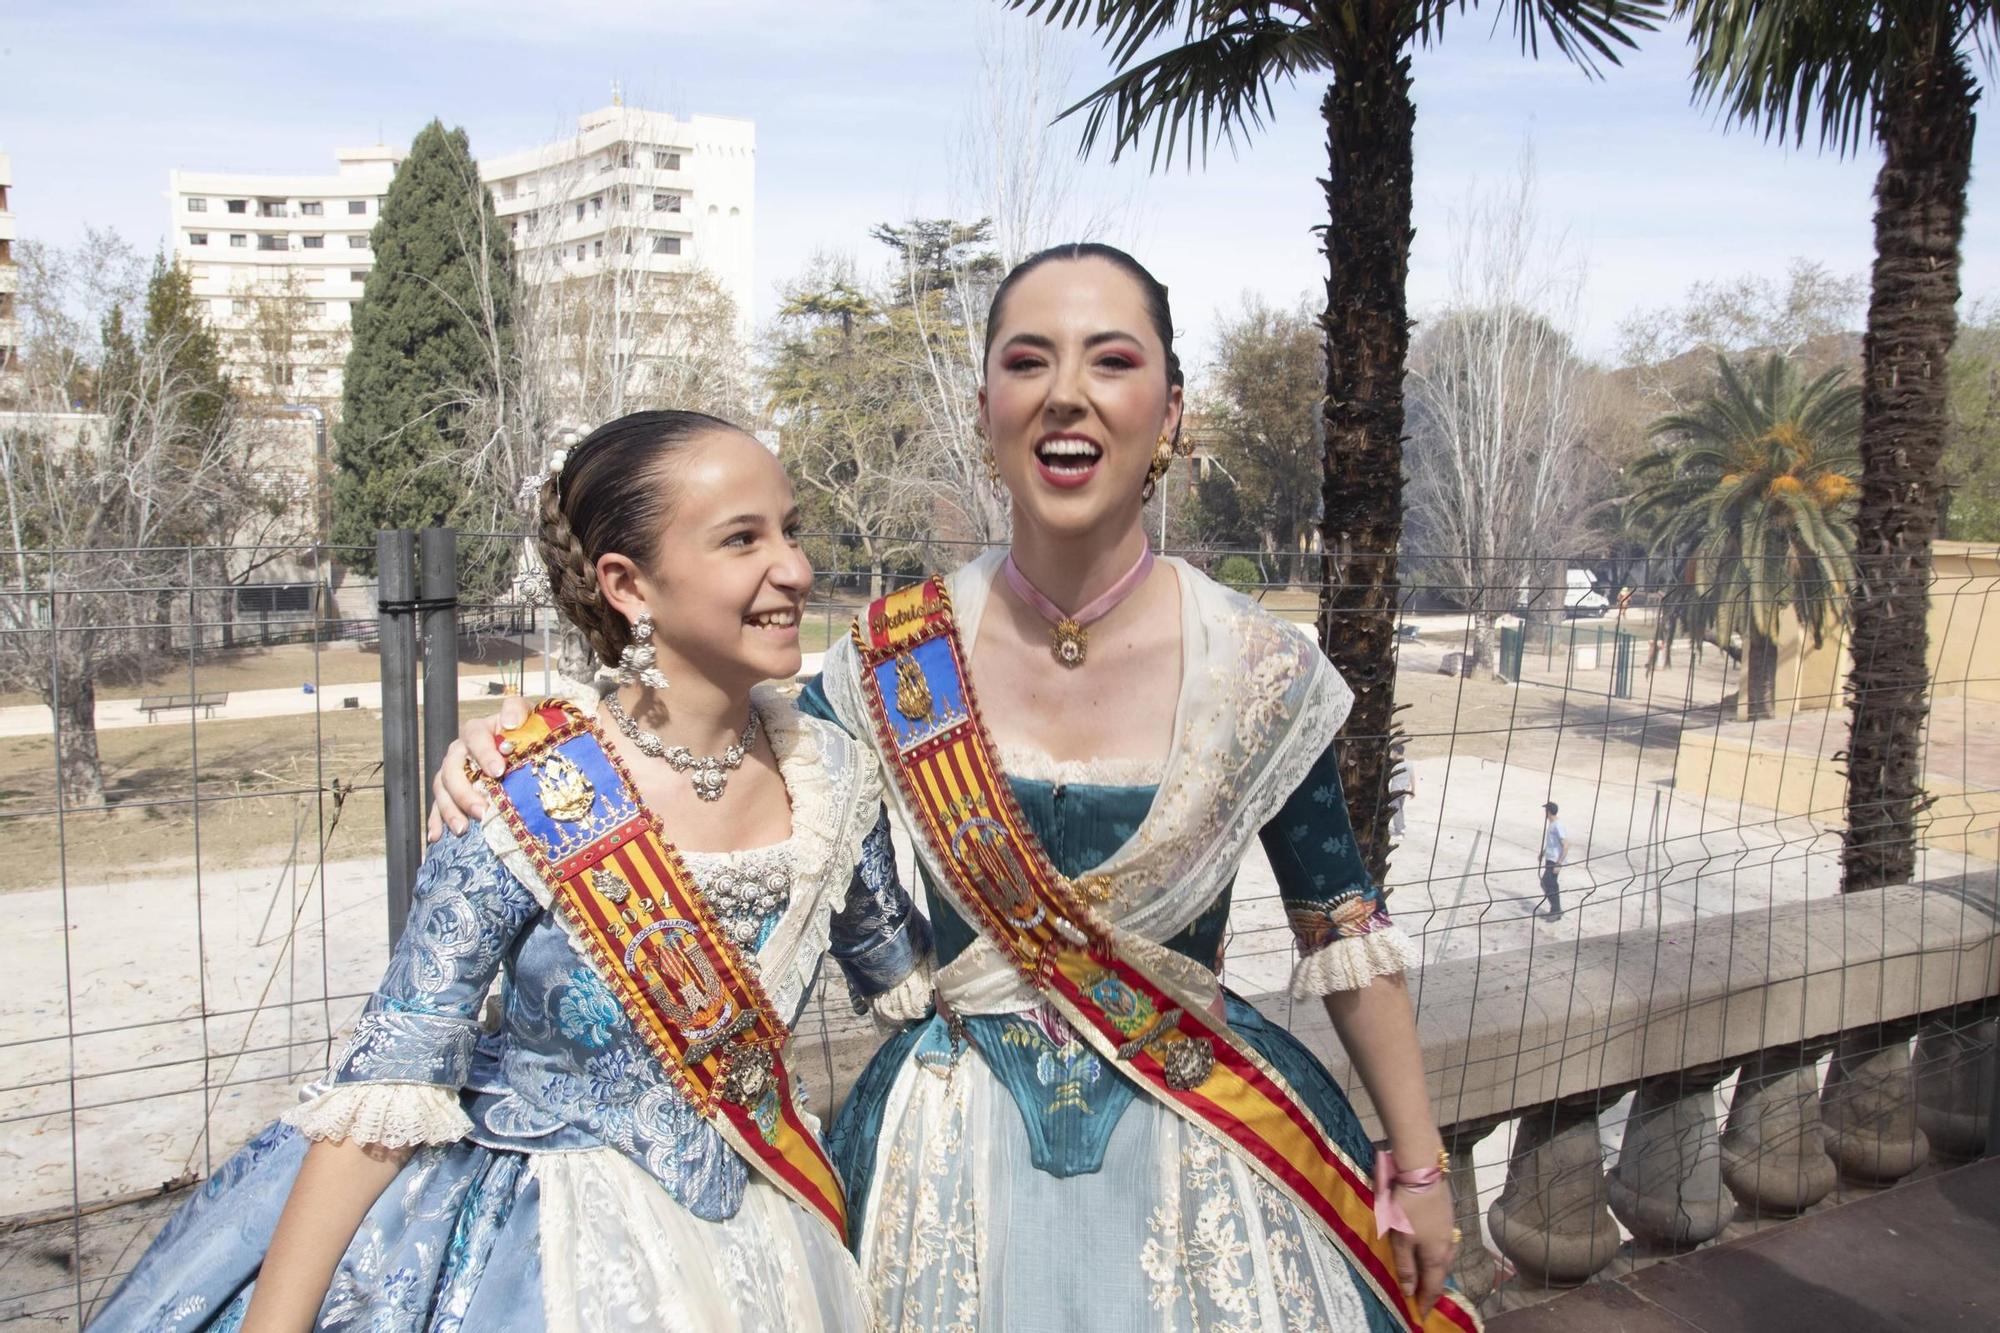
{"x":267,"y":785}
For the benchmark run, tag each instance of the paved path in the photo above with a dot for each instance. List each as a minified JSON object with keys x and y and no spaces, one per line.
{"x":1925,"y":1255}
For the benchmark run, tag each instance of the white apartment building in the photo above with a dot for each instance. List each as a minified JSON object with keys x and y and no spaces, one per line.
{"x":634,"y":189}
{"x":281,"y":261}
{"x":10,"y":278}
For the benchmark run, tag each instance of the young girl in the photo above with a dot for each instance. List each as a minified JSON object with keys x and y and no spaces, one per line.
{"x":658,"y":879}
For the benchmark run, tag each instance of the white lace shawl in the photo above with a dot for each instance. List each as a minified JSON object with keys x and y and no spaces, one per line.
{"x":1259,"y":703}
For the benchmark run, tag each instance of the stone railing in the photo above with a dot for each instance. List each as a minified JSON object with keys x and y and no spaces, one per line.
{"x":1890,"y":992}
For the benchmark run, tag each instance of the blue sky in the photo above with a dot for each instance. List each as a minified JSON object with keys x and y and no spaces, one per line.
{"x":858,"y":104}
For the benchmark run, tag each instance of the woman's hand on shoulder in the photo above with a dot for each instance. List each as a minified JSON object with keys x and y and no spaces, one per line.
{"x":455,"y":801}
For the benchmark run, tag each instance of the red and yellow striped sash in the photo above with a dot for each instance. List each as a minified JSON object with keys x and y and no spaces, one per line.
{"x":629,"y":901}
{"x":928,"y":729}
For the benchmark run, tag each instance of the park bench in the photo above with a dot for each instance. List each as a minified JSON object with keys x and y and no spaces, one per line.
{"x":154,"y":705}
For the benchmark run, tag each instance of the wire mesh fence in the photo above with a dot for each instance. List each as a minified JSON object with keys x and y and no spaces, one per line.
{"x":1685,"y":1029}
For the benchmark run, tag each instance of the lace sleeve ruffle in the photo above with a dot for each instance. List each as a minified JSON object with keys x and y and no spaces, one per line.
{"x":390,"y":1115}
{"x":1350,"y":962}
{"x":908,"y":1000}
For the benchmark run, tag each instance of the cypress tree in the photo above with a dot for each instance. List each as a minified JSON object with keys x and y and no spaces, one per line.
{"x":420,"y":357}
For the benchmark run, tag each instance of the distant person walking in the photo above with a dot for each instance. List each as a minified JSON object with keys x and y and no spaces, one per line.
{"x":1402,"y":786}
{"x":1555,"y":849}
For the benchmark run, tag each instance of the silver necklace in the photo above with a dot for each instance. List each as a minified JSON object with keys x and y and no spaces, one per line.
{"x":709,"y":772}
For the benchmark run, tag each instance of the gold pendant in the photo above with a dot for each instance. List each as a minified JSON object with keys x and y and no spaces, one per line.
{"x":1069,"y":642}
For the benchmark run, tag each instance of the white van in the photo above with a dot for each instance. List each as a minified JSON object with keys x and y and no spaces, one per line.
{"x":1581,"y":599}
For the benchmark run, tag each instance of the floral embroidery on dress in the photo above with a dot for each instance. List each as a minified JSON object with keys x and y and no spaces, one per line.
{"x":588,"y":1011}
{"x":1065,"y":1065}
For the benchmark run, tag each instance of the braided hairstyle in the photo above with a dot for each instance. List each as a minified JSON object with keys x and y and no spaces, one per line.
{"x":1158,"y":312}
{"x":612,"y":495}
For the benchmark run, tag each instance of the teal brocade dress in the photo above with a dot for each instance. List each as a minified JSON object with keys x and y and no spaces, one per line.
{"x":1018,"y":1182}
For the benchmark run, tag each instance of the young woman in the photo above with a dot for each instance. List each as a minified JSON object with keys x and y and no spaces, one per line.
{"x":1089,"y":1132}
{"x":658,"y":880}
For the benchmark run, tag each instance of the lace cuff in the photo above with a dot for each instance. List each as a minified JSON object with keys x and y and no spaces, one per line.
{"x":908,"y":1000}
{"x":1352,"y":961}
{"x":391,"y":1115}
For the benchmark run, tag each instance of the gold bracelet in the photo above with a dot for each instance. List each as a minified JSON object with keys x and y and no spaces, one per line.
{"x":1444,"y":1160}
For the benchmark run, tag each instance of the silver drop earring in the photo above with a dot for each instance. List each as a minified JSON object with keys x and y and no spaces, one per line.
{"x":636,"y":665}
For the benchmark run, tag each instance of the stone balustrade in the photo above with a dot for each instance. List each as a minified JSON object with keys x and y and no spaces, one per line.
{"x":1774,"y":1061}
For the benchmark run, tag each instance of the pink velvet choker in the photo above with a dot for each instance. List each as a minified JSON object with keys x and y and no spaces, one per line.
{"x":1069,"y":639}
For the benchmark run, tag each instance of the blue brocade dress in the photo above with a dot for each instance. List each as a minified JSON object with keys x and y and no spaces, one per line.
{"x":563,"y":1182}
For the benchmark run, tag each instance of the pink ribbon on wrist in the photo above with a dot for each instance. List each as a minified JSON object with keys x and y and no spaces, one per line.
{"x":1389,"y":1215}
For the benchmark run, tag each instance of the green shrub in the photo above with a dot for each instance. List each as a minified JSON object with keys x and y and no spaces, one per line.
{"x":1239,"y":572}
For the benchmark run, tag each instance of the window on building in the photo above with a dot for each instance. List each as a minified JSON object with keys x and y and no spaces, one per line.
{"x":624,"y":198}
{"x":238,"y":306}
{"x":238,"y":240}
{"x":270,"y":208}
{"x":667,"y":161}
{"x":666,"y":245}
{"x":356,"y":207}
{"x":312,"y":242}
{"x":579,"y":210}
{"x":197,"y":205}
{"x":274,"y":599}
{"x":314,"y":309}
{"x":312,"y":208}
{"x":666,"y":203}
{"x":266,"y":241}
{"x":597,"y":249}
{"x":507,"y":189}
{"x":624,"y":157}
{"x":357,"y":240}
{"x":239,"y":205}
{"x":579,"y":252}
{"x":357,"y":275}
{"x":197,"y":238}
{"x":596,"y":204}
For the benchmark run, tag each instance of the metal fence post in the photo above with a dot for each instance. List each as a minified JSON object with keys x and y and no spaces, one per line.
{"x":396,"y":607}
{"x":438,"y":565}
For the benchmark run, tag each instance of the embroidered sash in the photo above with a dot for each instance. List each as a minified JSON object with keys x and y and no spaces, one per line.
{"x":650,"y":936}
{"x":1131,"y":1011}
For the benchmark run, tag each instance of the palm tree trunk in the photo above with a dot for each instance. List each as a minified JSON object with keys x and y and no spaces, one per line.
{"x":1760,"y":675}
{"x":1925,"y":123}
{"x":1370,"y":120}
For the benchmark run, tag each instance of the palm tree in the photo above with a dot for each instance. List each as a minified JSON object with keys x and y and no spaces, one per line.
{"x":1897,"y":73}
{"x":1753,"y":497}
{"x":1215,"y":85}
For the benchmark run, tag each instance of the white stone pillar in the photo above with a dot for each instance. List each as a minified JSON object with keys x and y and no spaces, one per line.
{"x":1553,"y":1218}
{"x":1954,"y":1098}
{"x":1667,"y":1186}
{"x":1774,"y":1144}
{"x":1870,"y":1107}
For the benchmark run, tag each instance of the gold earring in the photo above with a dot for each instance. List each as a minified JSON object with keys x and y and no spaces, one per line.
{"x":1163,"y":458}
{"x":992,"y":466}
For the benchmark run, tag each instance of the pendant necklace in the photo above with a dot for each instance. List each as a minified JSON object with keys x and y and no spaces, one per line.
{"x":709,"y":772}
{"x":1069,"y":636}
